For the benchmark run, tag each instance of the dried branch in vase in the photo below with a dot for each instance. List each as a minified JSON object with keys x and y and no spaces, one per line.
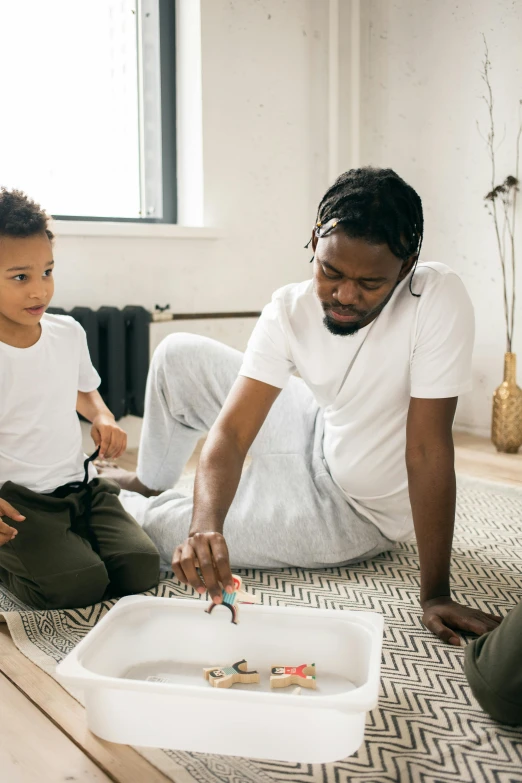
{"x":501,"y":203}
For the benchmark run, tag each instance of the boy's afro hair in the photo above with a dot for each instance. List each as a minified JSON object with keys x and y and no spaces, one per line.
{"x":20,"y":216}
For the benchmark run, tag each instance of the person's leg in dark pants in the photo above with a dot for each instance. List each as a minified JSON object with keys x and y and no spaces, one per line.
{"x":494,"y":669}
{"x":129,"y":555}
{"x":48,"y":565}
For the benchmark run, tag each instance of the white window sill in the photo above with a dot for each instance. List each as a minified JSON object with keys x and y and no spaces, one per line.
{"x":102,"y":228}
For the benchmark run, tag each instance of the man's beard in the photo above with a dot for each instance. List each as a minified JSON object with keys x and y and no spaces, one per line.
{"x":342,"y":330}
{"x":335,"y":327}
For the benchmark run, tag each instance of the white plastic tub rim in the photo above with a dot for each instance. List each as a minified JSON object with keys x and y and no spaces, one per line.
{"x":362,"y":699}
{"x":291,"y":725}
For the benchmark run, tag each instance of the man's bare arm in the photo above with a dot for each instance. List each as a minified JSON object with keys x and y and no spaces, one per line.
{"x":217,"y":480}
{"x":432,"y":485}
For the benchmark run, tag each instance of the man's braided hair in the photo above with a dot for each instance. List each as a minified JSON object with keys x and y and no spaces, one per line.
{"x":375,"y":205}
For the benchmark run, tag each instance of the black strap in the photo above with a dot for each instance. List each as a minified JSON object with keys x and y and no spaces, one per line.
{"x":88,"y":501}
{"x":77,"y":486}
{"x":93,"y":456}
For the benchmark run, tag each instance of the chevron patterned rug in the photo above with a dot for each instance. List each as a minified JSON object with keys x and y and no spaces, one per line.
{"x":427,"y":727}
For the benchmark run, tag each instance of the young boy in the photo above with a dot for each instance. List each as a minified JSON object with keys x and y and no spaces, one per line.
{"x":68,"y":541}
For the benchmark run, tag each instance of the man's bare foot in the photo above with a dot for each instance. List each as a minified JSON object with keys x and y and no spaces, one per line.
{"x":126,"y":480}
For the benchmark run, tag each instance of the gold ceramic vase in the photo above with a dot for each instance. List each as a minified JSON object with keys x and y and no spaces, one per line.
{"x":506,"y":428}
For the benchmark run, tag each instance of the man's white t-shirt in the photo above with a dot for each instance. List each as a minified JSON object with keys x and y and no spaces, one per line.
{"x":40,"y":434}
{"x":416,"y":347}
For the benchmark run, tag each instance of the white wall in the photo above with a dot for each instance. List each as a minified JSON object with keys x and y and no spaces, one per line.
{"x":264,"y":72}
{"x":265,"y":153}
{"x":421,"y":88}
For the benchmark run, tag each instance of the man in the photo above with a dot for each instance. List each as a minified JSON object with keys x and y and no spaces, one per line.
{"x":350,"y":457}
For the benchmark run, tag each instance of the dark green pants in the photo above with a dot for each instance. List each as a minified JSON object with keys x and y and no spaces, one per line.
{"x":75,"y":547}
{"x":493,"y":666}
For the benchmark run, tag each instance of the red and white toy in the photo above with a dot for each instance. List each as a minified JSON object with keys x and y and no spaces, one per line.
{"x":283,"y":676}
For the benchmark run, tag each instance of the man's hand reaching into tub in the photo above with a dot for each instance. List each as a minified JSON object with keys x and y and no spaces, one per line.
{"x":202,"y":562}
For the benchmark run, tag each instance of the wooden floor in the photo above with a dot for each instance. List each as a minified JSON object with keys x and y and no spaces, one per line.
{"x":478,"y":457}
{"x":43,"y":733}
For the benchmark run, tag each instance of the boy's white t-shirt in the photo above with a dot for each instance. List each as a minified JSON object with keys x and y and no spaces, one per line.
{"x":40,"y":434}
{"x":416,"y":347}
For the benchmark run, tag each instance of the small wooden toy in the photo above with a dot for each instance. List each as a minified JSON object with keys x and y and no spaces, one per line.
{"x":231,"y":599}
{"x":283,"y":676}
{"x":226,"y":676}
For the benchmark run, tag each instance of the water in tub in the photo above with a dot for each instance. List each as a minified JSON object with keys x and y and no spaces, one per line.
{"x":176,"y":673}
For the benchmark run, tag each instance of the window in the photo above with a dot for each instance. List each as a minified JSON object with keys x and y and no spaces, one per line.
{"x":88,"y":106}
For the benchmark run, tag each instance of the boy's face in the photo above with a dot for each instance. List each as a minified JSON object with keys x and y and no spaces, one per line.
{"x":26,"y":278}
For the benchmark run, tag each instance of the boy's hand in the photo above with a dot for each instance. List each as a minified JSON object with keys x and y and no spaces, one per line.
{"x":7,"y":533}
{"x":110,"y":438}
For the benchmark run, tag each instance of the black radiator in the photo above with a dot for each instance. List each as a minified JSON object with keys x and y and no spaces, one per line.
{"x":118,"y":342}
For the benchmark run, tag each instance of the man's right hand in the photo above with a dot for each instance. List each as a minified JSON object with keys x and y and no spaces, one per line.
{"x":7,"y":533}
{"x":207,"y":552}
{"x":202,"y":561}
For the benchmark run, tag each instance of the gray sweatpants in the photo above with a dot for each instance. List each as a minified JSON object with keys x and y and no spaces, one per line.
{"x":287,"y":510}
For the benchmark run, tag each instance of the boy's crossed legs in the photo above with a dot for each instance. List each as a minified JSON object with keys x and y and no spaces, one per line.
{"x":65,"y":556}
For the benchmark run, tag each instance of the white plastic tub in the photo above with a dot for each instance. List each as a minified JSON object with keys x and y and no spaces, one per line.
{"x":174,"y":639}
